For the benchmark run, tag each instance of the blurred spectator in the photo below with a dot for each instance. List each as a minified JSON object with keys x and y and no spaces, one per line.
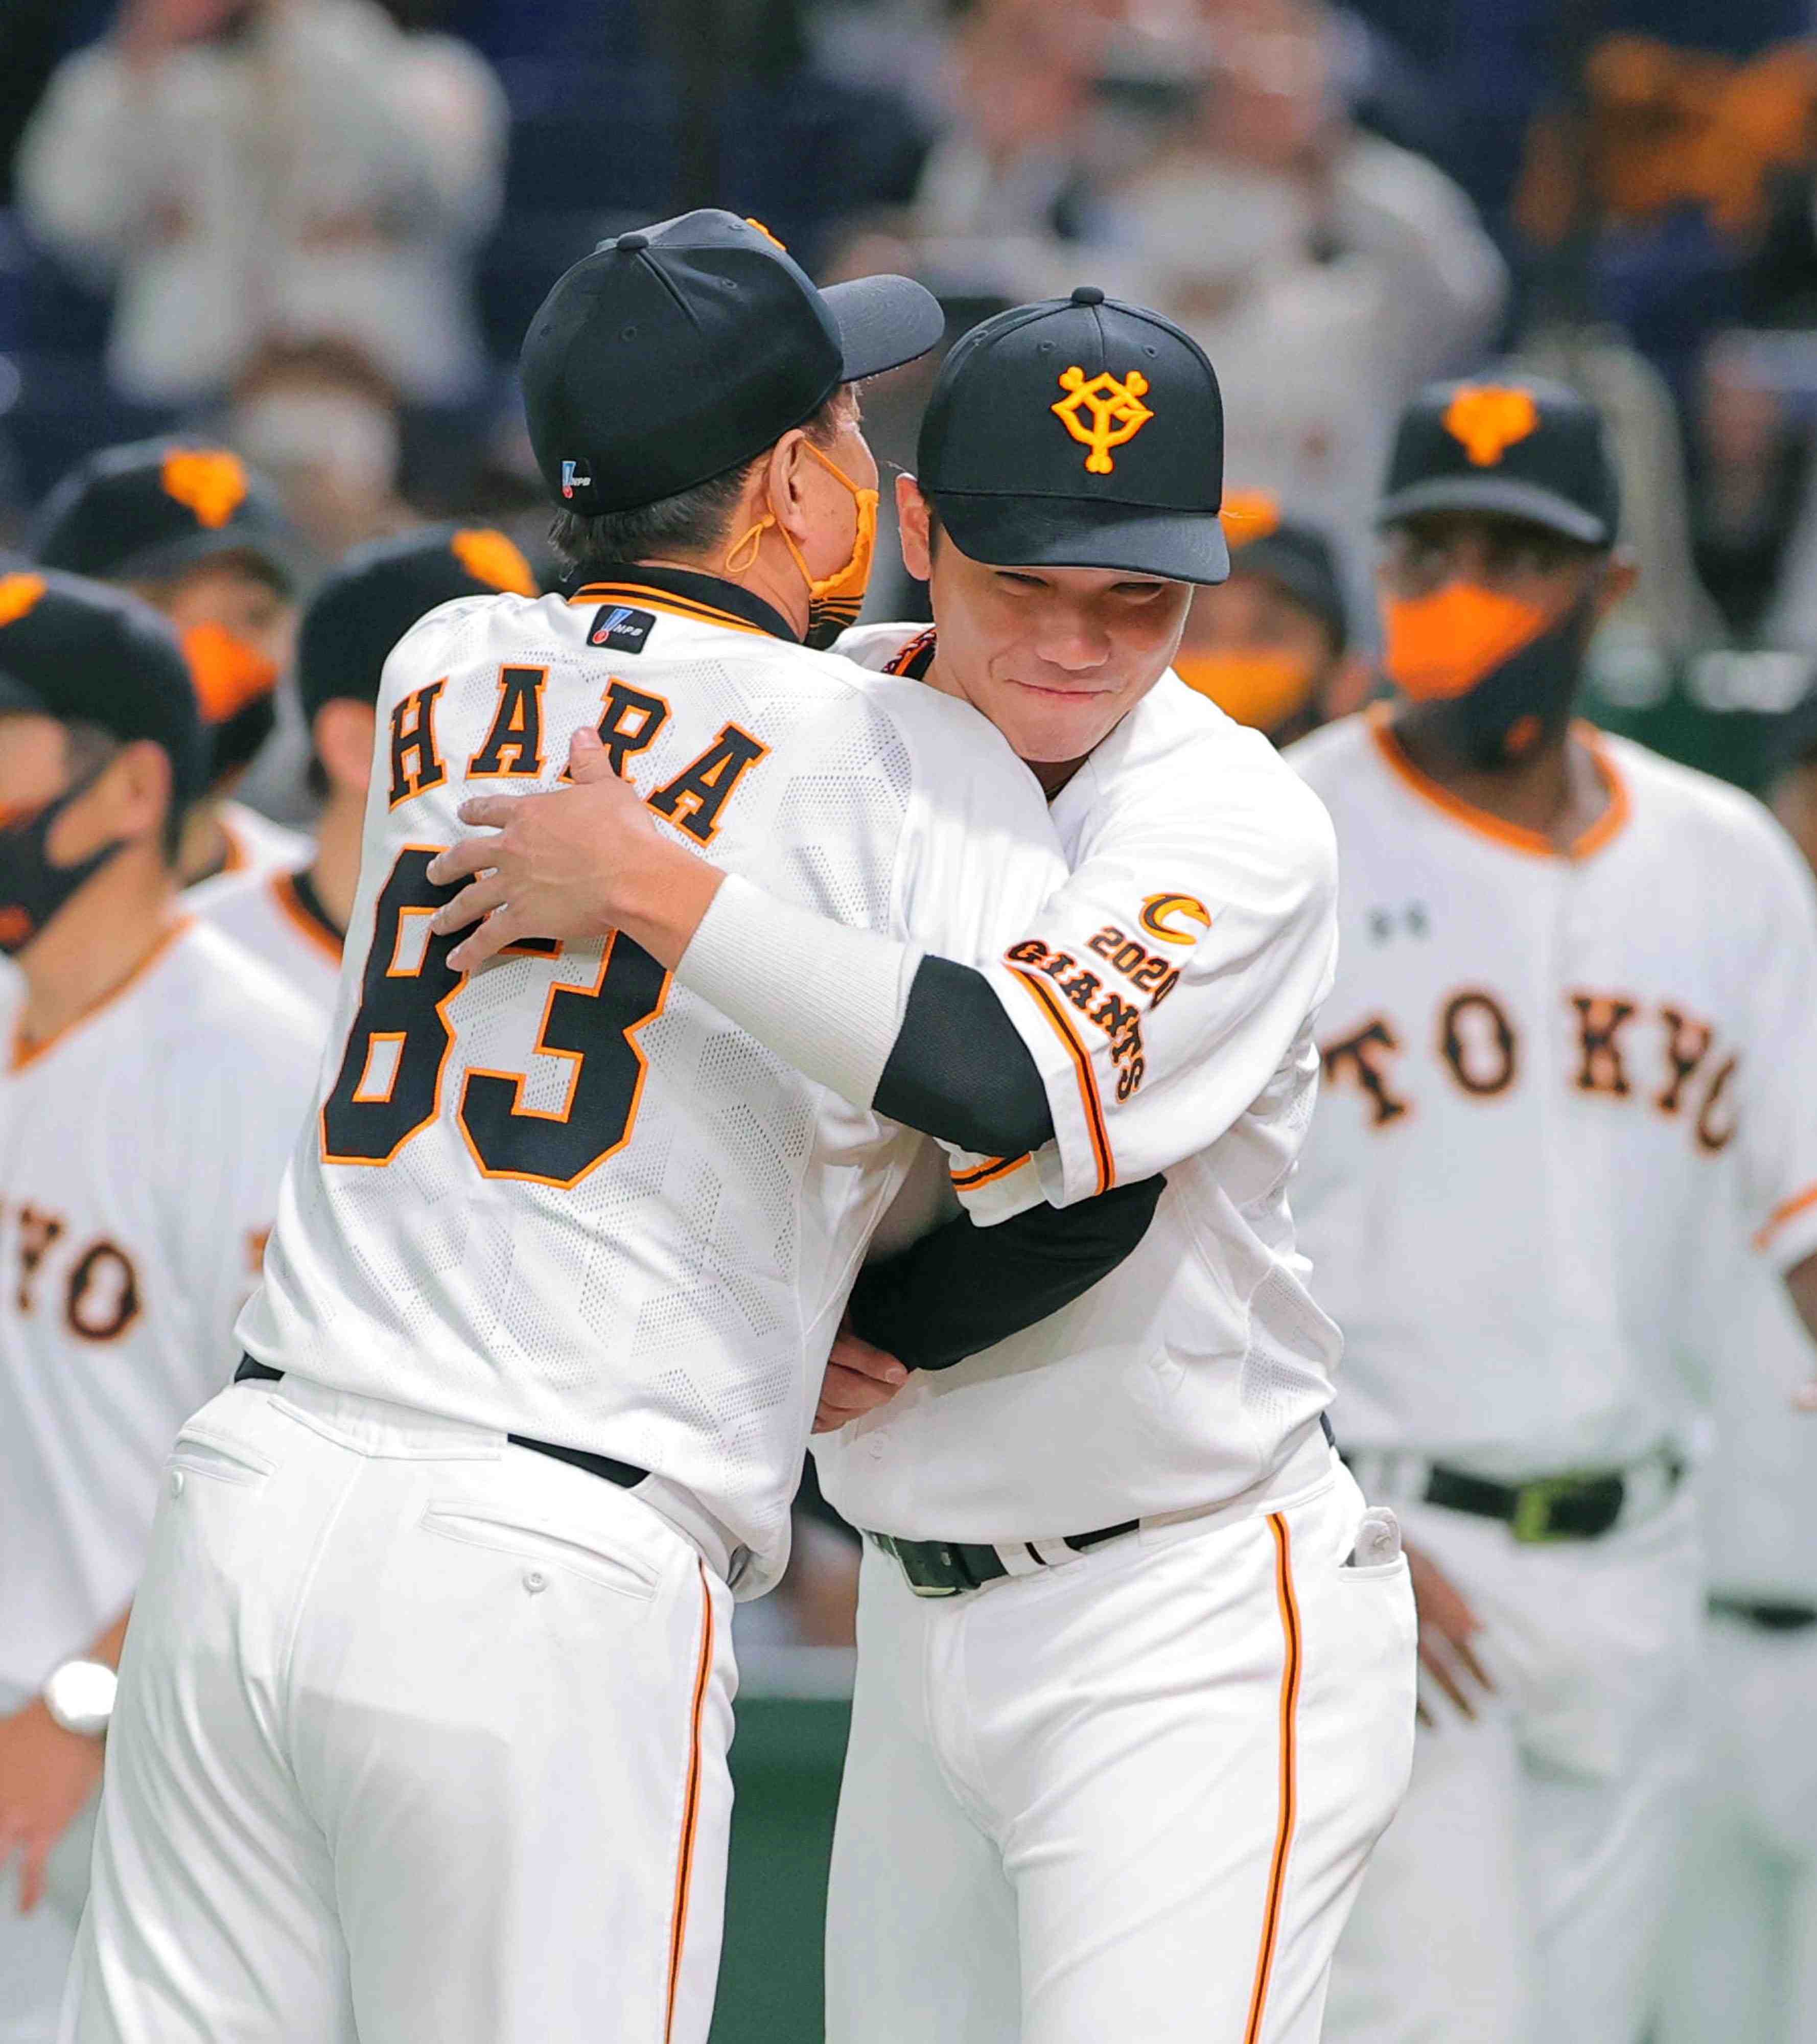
{"x":1271,"y":647}
{"x":1327,"y":272}
{"x":321,"y":424}
{"x":246,"y":169}
{"x":189,"y":530}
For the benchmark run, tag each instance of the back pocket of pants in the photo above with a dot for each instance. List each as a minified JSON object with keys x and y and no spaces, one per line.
{"x":581,"y":1551}
{"x":224,"y":1461}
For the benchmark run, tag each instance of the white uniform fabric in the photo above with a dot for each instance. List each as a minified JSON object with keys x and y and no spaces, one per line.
{"x":1200,"y":1365}
{"x":1130,"y":1797}
{"x":443,"y":1852}
{"x":256,"y":846}
{"x":266,"y":916}
{"x":673,"y":1307}
{"x":1133,"y":1793}
{"x":1559,"y":1091}
{"x":635,"y":1238}
{"x":140,"y":1152}
{"x":1742,"y":1957}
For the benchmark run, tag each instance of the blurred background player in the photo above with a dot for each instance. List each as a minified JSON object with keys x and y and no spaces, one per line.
{"x":195,"y":532}
{"x":296,"y":920}
{"x":1741,"y":1957}
{"x":153,"y":1079}
{"x":1567,"y":1065}
{"x":1272,"y":647}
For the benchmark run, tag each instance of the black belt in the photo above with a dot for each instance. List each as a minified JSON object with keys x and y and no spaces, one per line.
{"x":1578,"y":1507}
{"x":1766,"y":1615}
{"x":626,"y":1475}
{"x":944,"y":1568}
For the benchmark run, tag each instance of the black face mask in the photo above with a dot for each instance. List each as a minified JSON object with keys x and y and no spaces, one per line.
{"x":32,"y":887}
{"x":1524,"y":703}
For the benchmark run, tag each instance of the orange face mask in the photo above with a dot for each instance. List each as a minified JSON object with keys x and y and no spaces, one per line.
{"x":1438,"y":648}
{"x":1261,"y":690}
{"x":835,"y":602}
{"x":227,"y":674}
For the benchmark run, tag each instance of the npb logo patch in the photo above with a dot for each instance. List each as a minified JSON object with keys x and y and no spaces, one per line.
{"x":619,"y":627}
{"x":575,"y":476}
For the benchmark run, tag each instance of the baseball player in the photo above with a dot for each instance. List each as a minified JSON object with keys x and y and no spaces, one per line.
{"x":151,"y":1083}
{"x":1135,"y":1676}
{"x":297,"y":921}
{"x":562,"y":1251}
{"x":1567,"y":1065}
{"x":191,"y":530}
{"x":1742,"y":1954}
{"x":1272,"y":645}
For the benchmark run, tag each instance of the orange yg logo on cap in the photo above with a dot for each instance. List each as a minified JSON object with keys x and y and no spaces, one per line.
{"x":18,"y":593}
{"x":1487,"y":422}
{"x":1115,"y":413}
{"x":490,"y":557}
{"x":207,"y":481}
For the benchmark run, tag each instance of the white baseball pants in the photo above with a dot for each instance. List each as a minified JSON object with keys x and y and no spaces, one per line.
{"x":1741,"y":1960}
{"x":1519,"y":1895}
{"x":420,"y":1740}
{"x":1132,"y":1798}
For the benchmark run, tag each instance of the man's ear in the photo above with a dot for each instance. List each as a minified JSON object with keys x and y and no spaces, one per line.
{"x":783,"y":480}
{"x":913,"y":528}
{"x":343,"y":735}
{"x":129,"y":799}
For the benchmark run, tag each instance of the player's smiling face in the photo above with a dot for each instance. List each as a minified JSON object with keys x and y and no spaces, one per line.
{"x":1054,"y":657}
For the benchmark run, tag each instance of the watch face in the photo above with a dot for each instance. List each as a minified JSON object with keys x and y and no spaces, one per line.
{"x":79,"y":1696}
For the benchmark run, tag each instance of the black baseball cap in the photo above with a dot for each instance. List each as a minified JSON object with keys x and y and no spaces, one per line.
{"x":150,"y":509}
{"x":1518,"y":445}
{"x":84,"y":654}
{"x":677,"y":352}
{"x":366,"y":604}
{"x":1079,"y":433}
{"x":1266,"y":540}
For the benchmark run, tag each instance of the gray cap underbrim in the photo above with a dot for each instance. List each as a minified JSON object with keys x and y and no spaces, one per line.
{"x":14,"y":695}
{"x":882,"y":322}
{"x":1070,"y":532}
{"x":281,"y":554}
{"x":1498,"y":494}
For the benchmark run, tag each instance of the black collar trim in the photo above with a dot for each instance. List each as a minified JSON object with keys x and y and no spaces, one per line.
{"x":623,"y":579}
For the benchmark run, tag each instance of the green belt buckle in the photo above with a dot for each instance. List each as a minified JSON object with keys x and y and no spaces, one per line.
{"x":1532,"y":1520}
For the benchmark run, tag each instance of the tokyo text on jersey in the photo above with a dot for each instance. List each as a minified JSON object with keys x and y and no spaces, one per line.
{"x":1536,"y":1069}
{"x":278,"y":917}
{"x":565,"y":1199}
{"x":140,"y":1152}
{"x":1167,"y":990}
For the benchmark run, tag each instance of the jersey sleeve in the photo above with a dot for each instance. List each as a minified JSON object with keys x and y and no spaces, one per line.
{"x":979,"y":858}
{"x":1163,"y":984}
{"x":1776,"y":1107}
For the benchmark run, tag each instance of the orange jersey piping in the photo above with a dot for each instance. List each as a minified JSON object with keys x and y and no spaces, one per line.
{"x":690,"y":1808}
{"x":25,"y":1054}
{"x":1049,"y":1003}
{"x":1289,"y":1774}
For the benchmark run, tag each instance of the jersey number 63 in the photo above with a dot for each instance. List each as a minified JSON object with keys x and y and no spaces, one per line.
{"x":389,"y":1087}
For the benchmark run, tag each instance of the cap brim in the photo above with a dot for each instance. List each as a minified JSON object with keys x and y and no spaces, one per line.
{"x":280,"y":553}
{"x":1526,"y":501}
{"x":14,"y":695}
{"x":1066,"y":532}
{"x":882,"y":322}
{"x":1312,"y":591}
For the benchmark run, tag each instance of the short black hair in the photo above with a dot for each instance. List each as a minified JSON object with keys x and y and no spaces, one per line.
{"x":692,"y":521}
{"x":89,"y":751}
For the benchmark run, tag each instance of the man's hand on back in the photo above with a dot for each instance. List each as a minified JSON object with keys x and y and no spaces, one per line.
{"x":573,"y":863}
{"x":859,"y":1379}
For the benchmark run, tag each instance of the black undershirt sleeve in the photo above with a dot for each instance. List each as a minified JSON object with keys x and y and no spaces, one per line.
{"x":959,"y":1071}
{"x":961,"y":1288}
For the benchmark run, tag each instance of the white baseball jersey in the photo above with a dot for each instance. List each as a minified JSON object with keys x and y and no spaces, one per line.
{"x":140,"y":1152}
{"x":280,"y":922}
{"x":1536,"y":1069}
{"x":256,"y":845}
{"x":564,"y":1198}
{"x":1167,"y":990}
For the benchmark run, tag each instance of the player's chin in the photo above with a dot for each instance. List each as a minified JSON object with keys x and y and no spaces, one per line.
{"x":1048,"y":725}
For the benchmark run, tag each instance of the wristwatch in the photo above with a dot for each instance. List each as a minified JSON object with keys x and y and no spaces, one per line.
{"x":79,"y":1696}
